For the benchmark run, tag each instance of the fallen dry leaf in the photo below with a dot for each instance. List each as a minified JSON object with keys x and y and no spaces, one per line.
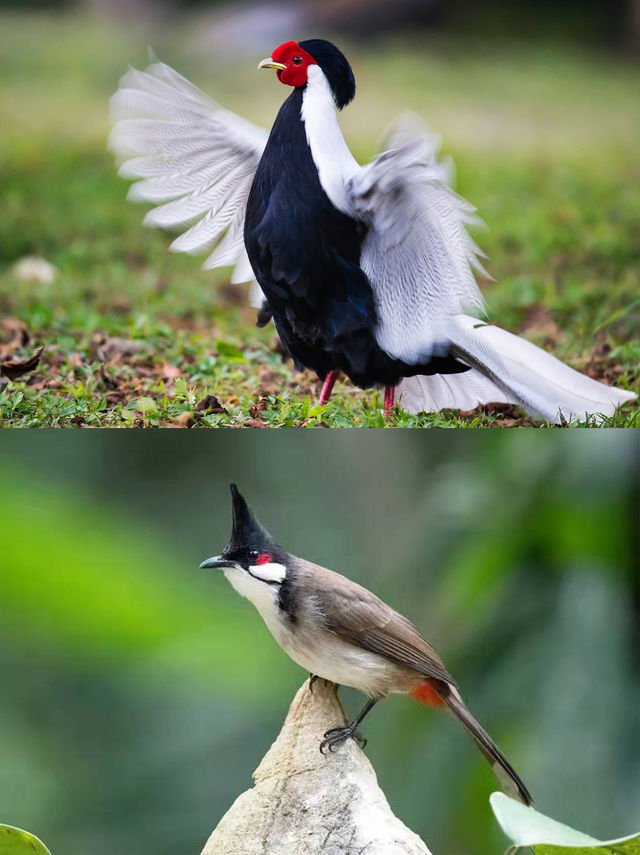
{"x":259,"y":407}
{"x":169,"y":371}
{"x":115,"y":348}
{"x":116,"y":397}
{"x":13,"y":334}
{"x":17,"y":367}
{"x":506,"y":415}
{"x":496,"y":408}
{"x":185,"y":419}
{"x":17,"y":329}
{"x":211,"y":404}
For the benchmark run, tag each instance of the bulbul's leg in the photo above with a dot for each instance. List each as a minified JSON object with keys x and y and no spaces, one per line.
{"x":327,"y":386}
{"x":337,"y":735}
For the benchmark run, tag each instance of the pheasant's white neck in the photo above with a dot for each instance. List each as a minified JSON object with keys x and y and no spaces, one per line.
{"x":333,"y":160}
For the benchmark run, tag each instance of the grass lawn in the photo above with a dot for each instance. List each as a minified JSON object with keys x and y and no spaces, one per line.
{"x":545,"y":142}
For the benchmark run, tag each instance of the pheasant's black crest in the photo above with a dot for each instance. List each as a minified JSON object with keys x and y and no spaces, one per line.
{"x":335,"y":67}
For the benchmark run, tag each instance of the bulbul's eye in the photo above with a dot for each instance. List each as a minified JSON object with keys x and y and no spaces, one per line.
{"x":297,"y":60}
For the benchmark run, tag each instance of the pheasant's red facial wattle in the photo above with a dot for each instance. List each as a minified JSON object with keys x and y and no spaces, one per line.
{"x":297,"y":62}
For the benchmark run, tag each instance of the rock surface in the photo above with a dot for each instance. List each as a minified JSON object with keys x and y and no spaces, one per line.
{"x":304,"y":802}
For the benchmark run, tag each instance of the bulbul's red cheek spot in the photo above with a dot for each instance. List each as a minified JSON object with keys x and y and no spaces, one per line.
{"x":263,"y":558}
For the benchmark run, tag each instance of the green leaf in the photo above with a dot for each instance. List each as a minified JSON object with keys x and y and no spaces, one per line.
{"x":318,"y":410}
{"x":15,"y":841}
{"x":180,"y":387}
{"x":527,"y":827}
{"x":144,"y":405}
{"x":230,"y":351}
{"x":623,"y":846}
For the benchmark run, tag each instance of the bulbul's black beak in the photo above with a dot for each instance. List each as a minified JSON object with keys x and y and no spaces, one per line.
{"x":217,"y":562}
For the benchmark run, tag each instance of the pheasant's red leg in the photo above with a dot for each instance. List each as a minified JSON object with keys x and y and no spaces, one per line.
{"x":389,"y":399}
{"x":327,"y":386}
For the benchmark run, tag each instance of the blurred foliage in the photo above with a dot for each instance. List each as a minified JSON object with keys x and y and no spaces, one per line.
{"x":140,"y":693}
{"x":545,"y":139}
{"x":583,"y":20}
{"x":589,"y":21}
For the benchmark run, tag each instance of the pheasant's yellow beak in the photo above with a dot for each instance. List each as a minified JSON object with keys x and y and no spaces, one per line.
{"x":269,"y":63}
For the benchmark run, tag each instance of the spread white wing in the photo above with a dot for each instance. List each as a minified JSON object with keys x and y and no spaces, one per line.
{"x":416,"y":253}
{"x":194,"y":157}
{"x":420,"y":260}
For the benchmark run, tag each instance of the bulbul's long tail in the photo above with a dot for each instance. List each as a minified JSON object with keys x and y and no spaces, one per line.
{"x":508,"y":369}
{"x":503,"y":770}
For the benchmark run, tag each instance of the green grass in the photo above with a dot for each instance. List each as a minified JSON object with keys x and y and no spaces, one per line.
{"x":545,"y":146}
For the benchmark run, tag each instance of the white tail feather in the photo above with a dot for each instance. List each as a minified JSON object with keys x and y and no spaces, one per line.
{"x":431,"y":393}
{"x":509,"y":369}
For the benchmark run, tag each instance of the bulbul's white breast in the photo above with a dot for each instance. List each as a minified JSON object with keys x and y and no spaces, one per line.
{"x":263,"y":596}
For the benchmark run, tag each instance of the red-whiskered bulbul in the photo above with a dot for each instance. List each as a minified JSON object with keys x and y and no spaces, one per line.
{"x":340,"y":631}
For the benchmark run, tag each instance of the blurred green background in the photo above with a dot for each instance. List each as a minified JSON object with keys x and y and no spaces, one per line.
{"x":536,"y":101}
{"x":139,"y":693}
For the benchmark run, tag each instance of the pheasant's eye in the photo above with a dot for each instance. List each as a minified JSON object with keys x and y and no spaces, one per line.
{"x":297,"y":60}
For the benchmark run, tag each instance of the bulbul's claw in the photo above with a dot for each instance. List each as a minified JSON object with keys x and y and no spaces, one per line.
{"x":337,"y":735}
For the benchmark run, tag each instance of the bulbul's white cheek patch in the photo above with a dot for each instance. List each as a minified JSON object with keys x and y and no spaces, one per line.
{"x":270,"y":572}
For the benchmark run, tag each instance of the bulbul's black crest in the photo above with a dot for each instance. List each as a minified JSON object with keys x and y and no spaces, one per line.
{"x":247,"y":532}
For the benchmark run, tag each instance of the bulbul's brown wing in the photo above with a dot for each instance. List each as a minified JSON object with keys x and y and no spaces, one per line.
{"x":358,"y":616}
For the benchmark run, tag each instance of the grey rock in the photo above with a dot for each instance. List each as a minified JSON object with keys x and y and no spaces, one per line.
{"x":304,"y":802}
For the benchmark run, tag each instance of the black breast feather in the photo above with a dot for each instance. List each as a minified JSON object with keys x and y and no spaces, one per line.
{"x":306,"y":256}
